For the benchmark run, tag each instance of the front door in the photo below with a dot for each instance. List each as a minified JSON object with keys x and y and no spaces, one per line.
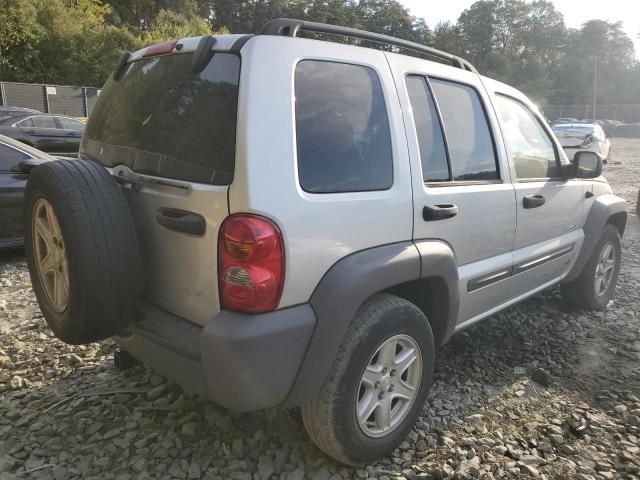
{"x":550,"y":209}
{"x":462,"y":189}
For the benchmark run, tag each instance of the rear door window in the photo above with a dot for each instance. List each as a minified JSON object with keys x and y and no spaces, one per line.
{"x":26,"y":123}
{"x":471,"y":149}
{"x":44,"y":122}
{"x":433,"y":153}
{"x":342,"y":128}
{"x":162,"y":118}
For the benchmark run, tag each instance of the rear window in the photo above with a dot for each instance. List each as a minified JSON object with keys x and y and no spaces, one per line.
{"x":161,"y":118}
{"x":569,"y":130}
{"x":342,"y":129}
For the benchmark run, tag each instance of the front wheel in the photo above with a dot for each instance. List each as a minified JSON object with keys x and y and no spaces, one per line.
{"x":595,"y":286}
{"x":378,"y":383}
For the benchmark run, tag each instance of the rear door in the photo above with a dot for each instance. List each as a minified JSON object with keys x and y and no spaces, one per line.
{"x":461,"y":184}
{"x":44,"y":134}
{"x":72,"y":132}
{"x":169,"y":132}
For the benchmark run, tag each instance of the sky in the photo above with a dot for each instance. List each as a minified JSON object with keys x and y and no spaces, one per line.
{"x":575,"y":12}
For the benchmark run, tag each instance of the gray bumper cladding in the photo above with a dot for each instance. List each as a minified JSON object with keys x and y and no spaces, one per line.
{"x":251,"y":361}
{"x":241,"y":362}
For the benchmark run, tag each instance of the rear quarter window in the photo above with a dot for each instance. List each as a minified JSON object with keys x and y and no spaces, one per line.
{"x":342,"y":128}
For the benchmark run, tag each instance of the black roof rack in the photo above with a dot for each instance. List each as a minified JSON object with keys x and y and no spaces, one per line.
{"x":290,"y":27}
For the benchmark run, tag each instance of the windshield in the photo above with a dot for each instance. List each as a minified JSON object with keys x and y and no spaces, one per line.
{"x":161,"y":118}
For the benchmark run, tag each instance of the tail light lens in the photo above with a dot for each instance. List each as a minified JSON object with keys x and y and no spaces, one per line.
{"x":251,"y":264}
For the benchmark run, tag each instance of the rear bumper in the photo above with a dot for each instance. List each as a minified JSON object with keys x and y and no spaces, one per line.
{"x":242,"y":362}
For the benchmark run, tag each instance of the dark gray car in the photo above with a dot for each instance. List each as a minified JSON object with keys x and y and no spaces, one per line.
{"x":53,"y":134}
{"x":16,"y":161}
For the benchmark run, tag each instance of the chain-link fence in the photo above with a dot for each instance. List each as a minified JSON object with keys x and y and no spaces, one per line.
{"x":79,"y":101}
{"x":59,"y":99}
{"x":629,"y":113}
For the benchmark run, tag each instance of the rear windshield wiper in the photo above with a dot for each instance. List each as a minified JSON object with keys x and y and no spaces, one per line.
{"x":138,"y":182}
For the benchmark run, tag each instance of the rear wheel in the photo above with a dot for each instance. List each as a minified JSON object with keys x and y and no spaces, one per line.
{"x":378,"y":383}
{"x":596,"y":285}
{"x":81,"y":250}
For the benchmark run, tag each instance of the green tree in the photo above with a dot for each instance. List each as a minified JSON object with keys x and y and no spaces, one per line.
{"x":169,"y":24}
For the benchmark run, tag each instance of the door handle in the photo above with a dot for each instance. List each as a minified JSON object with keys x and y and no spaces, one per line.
{"x":30,"y":131}
{"x":181,"y":221}
{"x":440,"y":211}
{"x":533,"y":201}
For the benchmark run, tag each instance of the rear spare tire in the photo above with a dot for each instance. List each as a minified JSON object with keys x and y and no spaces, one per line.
{"x":81,"y":250}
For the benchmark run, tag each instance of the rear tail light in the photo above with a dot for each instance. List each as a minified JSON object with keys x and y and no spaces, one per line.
{"x":251,"y":264}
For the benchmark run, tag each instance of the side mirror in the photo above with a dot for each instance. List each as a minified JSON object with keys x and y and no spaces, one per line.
{"x":586,"y":165}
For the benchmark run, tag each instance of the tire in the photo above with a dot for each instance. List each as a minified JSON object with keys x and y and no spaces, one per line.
{"x":581,"y":293}
{"x":79,"y":233}
{"x":331,"y":420}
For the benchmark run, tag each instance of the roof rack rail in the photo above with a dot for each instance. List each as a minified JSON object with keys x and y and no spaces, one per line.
{"x":291,"y":27}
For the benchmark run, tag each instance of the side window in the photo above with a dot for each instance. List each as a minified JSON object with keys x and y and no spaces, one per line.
{"x":470,"y":144}
{"x":26,"y":123}
{"x":71,"y":123}
{"x":10,"y":157}
{"x":44,"y":122}
{"x":433,"y":154}
{"x":342,"y":129}
{"x":531,"y":147}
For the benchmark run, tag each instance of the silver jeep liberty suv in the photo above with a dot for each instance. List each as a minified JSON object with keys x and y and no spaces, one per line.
{"x":271,"y":220}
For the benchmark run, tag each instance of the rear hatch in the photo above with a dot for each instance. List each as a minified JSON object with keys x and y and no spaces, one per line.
{"x":168,"y":133}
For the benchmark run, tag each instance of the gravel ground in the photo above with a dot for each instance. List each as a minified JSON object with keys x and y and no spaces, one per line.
{"x":532,"y":392}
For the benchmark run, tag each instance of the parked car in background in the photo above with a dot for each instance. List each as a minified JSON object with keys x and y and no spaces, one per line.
{"x":16,"y":161}
{"x":566,"y":120}
{"x":54,"y":134}
{"x":583,"y":137}
{"x":8,"y":110}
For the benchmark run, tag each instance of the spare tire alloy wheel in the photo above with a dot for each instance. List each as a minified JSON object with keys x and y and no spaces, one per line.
{"x":50,"y":255}
{"x":81,"y":250}
{"x":389,"y":386}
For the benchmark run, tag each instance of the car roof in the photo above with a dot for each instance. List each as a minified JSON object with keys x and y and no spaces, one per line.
{"x":34,"y":152}
{"x":16,"y":118}
{"x":9,"y":109}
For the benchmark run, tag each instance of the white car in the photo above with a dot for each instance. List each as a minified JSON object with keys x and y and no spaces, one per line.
{"x":579,"y":137}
